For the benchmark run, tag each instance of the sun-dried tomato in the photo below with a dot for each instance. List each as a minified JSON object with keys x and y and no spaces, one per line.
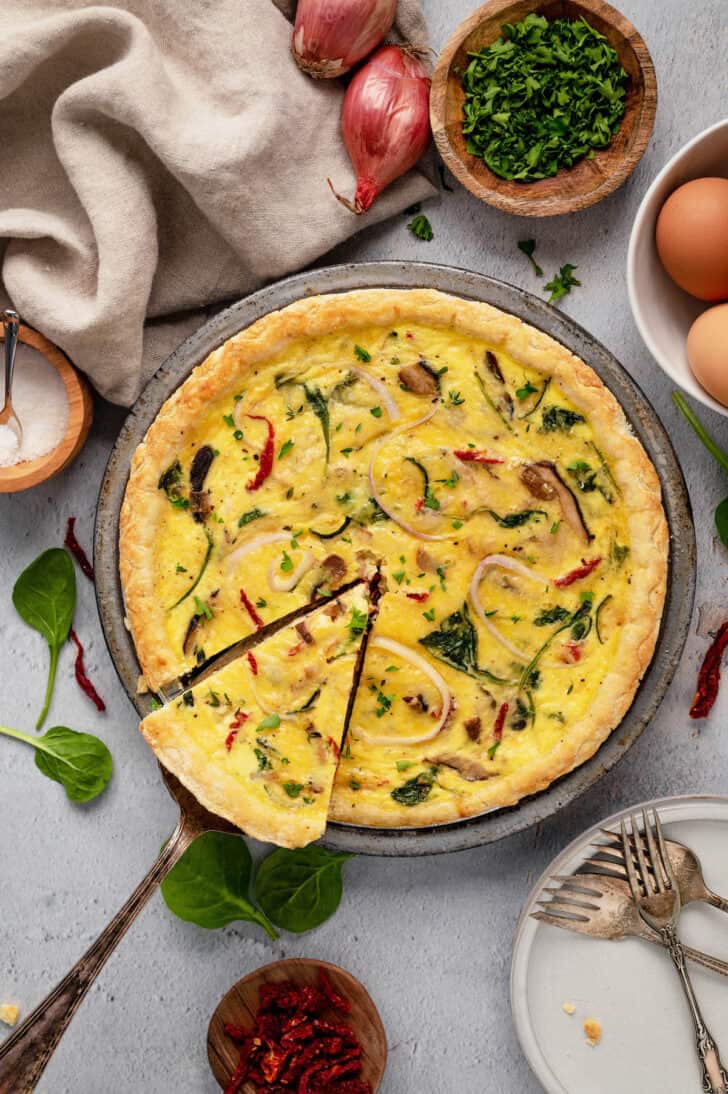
{"x":584,"y":570}
{"x":77,"y":550}
{"x":709,"y":675}
{"x":82,"y":678}
{"x":250,"y":609}
{"x":500,"y":722}
{"x":419,"y":597}
{"x":265,"y":465}
{"x":293,"y":1049}
{"x":332,"y":994}
{"x":474,"y":455}
{"x":253,"y":663}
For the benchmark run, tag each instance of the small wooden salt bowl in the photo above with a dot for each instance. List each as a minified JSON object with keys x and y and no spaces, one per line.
{"x":21,"y":476}
{"x":572,"y":188}
{"x":240,"y":1004}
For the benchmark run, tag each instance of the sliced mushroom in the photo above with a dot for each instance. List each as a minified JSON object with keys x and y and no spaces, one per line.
{"x":418,"y":702}
{"x":420,"y":378}
{"x":190,"y":639}
{"x":425,"y":561}
{"x":494,"y":366}
{"x":334,"y":568}
{"x":468,"y":769}
{"x":543,"y":481}
{"x":304,"y":633}
{"x":200,"y":500}
{"x":473,"y":728}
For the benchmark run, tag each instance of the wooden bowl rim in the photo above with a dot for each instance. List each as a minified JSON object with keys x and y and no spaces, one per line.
{"x":525,"y":205}
{"x":29,"y":473}
{"x":294,"y":963}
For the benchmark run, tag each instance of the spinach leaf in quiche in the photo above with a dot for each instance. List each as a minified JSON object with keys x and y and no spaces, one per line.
{"x":559,"y":419}
{"x":456,"y":643}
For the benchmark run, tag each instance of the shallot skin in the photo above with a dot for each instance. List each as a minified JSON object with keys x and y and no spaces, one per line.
{"x":385,"y":121}
{"x":331,"y":36}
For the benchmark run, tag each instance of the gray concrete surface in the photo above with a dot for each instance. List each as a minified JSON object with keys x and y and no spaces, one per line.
{"x":431,"y":938}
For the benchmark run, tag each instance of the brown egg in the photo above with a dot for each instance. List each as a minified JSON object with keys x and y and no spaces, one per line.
{"x":692,"y":237}
{"x":708,"y":351}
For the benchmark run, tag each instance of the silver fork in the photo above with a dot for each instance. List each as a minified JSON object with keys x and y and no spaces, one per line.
{"x":656,"y":894}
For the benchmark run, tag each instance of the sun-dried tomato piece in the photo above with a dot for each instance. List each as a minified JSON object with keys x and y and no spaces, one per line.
{"x":352,"y":1086}
{"x":242,"y":1068}
{"x":500,"y":722}
{"x":335,"y":1029}
{"x":584,"y":570}
{"x":236,"y":1033}
{"x":332,"y":994}
{"x":250,"y":609}
{"x":273,"y":1061}
{"x":301,"y":1032}
{"x":709,"y":675}
{"x":265,"y":465}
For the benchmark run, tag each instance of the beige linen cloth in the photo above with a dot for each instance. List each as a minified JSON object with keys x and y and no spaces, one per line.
{"x":159,"y":156}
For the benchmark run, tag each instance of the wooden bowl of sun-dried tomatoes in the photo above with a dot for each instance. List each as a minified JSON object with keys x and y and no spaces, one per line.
{"x":299,"y":1026}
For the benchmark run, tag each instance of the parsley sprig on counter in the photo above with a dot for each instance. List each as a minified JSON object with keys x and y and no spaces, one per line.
{"x":541,"y":97}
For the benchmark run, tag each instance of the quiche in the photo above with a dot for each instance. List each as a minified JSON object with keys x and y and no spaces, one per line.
{"x":478,"y":467}
{"x":258,"y":743}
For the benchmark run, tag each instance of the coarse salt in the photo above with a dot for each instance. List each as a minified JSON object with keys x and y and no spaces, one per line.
{"x":41,"y":404}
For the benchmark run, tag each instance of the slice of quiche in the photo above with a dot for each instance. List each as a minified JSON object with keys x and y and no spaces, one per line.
{"x":257,"y":742}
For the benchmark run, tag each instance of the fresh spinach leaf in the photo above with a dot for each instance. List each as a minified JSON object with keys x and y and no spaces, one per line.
{"x":45,"y":597}
{"x":320,"y":406}
{"x":548,"y":616}
{"x":300,"y":889}
{"x":210,"y":884}
{"x":251,"y":515}
{"x":170,"y":481}
{"x":81,"y":763}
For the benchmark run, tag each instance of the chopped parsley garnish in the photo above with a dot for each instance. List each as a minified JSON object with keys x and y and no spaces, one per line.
{"x":561,"y":283}
{"x":286,"y":563}
{"x":455,"y":398}
{"x":399,"y":576}
{"x":285,"y":448}
{"x":528,"y":246}
{"x":180,"y":569}
{"x":421,"y":228}
{"x":344,"y":498}
{"x":264,"y":763}
{"x":541,"y":97}
{"x":527,"y":389}
{"x":271,"y":721}
{"x":362,"y":354}
{"x":229,"y":420}
{"x":293,"y":789}
{"x":358,"y":622}
{"x":202,"y":608}
{"x":375,"y":411}
{"x":429,"y":615}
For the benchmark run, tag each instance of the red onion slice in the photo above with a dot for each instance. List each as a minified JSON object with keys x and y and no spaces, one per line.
{"x":417,"y":661}
{"x":506,"y":563}
{"x":389,"y":404}
{"x":373,"y":486}
{"x":253,"y":544}
{"x":284,"y":583}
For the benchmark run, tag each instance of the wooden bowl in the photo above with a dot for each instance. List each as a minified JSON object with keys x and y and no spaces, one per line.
{"x":21,"y":476}
{"x":240,"y":1004}
{"x":572,"y":188}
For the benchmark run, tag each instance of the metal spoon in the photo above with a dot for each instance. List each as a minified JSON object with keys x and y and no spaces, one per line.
{"x":8,"y":417}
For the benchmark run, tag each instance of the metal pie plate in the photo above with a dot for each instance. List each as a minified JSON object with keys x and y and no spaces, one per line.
{"x":495,"y":824}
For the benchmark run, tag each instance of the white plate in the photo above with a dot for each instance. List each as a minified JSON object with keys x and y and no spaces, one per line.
{"x":630,"y":987}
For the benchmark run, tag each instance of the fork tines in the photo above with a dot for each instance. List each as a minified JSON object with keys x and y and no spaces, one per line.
{"x":570,"y":899}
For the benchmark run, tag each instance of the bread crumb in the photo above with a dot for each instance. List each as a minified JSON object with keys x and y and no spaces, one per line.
{"x":593,"y":1031}
{"x":568,"y":1008}
{"x":9,"y":1013}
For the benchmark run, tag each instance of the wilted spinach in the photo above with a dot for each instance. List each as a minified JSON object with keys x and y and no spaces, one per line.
{"x":45,"y":597}
{"x":558,"y":419}
{"x":416,"y":789}
{"x":456,"y":643}
{"x":516,"y":520}
{"x":320,"y":406}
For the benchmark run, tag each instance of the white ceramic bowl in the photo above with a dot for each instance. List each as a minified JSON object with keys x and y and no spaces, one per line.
{"x":662,"y":311}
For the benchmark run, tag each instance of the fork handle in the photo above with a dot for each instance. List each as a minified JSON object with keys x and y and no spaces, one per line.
{"x":715,"y":1079}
